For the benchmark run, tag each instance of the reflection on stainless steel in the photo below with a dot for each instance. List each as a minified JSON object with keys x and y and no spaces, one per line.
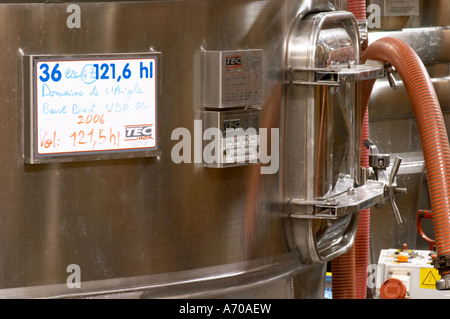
{"x":145,"y":227}
{"x":431,"y":43}
{"x":326,"y":145}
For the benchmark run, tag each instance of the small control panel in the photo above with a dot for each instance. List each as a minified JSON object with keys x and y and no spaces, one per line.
{"x":231,"y":98}
{"x":236,"y":137}
{"x":232,"y":78}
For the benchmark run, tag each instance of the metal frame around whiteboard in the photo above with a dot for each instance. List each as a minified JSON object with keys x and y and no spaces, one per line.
{"x":29,"y":124}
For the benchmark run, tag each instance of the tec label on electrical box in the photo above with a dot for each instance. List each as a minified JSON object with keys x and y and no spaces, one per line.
{"x":232,"y":78}
{"x":92,"y":107}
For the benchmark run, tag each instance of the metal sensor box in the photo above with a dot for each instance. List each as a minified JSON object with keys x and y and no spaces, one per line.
{"x":232,"y":78}
{"x":237,"y":137}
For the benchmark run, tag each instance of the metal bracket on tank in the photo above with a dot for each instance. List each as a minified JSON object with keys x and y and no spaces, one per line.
{"x":350,"y":202}
{"x":336,"y":74}
{"x":372,"y":193}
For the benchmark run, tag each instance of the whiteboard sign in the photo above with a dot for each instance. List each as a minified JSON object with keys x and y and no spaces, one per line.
{"x":93,"y":107}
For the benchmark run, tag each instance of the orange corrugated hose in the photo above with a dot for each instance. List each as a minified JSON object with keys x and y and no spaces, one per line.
{"x":432,"y":131}
{"x":362,"y":239}
{"x":358,"y":8}
{"x":350,"y":269}
{"x":344,"y":276}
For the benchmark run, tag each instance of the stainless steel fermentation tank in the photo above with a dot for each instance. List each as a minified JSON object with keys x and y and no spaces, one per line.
{"x":164,"y":220}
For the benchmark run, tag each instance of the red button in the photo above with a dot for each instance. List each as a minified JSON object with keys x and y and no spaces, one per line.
{"x":393,"y":289}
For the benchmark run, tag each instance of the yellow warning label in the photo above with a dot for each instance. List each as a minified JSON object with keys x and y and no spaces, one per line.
{"x":428,"y":278}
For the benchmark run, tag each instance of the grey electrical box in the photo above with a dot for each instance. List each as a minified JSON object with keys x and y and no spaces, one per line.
{"x":231,"y":138}
{"x":232,"y":78}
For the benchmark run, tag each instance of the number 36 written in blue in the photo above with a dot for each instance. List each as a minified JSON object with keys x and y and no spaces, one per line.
{"x":55,"y":75}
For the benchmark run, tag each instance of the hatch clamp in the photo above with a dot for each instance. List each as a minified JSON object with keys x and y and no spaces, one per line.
{"x":349,"y":202}
{"x":337,"y":74}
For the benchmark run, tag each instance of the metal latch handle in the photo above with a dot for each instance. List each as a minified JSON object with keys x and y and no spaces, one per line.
{"x":392,"y":190}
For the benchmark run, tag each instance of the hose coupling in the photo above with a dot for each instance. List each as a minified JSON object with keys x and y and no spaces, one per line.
{"x":442,"y":263}
{"x":443,"y":283}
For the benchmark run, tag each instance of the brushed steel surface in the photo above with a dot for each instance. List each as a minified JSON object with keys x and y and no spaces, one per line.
{"x":135,"y":222}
